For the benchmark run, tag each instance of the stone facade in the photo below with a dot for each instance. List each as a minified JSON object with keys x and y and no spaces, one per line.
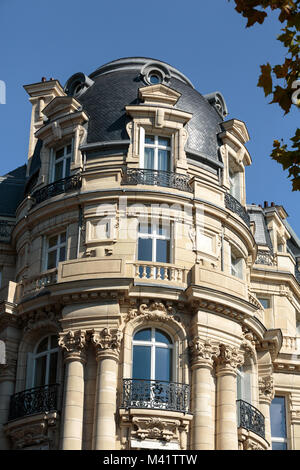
{"x":221,"y":286}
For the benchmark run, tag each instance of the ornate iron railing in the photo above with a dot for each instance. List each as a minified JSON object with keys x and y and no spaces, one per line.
{"x":250,"y":418}
{"x":235,"y":206}
{"x":34,"y":400}
{"x":156,"y":395}
{"x":71,"y":183}
{"x":167,"y":179}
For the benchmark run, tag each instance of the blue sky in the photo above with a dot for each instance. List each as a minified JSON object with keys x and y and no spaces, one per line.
{"x":206,"y":40}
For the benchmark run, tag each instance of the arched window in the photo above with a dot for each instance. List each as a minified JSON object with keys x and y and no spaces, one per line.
{"x":152,"y":355}
{"x":44,"y":362}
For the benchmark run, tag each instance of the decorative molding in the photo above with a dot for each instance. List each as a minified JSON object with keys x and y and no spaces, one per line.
{"x":229,"y":358}
{"x":203,"y":351}
{"x":155,"y":428}
{"x":73,"y":342}
{"x":156,"y":311}
{"x":266,"y":388}
{"x":107,"y":342}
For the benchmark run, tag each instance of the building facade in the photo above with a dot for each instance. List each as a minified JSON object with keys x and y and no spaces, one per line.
{"x":144,"y":304}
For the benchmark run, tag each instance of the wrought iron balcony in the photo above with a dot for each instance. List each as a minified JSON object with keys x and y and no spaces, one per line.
{"x":166,"y":179}
{"x":71,"y":183}
{"x":156,"y":395}
{"x":235,"y":206}
{"x":250,"y":418}
{"x":33,"y":401}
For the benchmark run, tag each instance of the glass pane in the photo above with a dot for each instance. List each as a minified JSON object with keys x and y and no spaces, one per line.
{"x":59,"y":153}
{"x":62,"y":253}
{"x":62,"y":237}
{"x":67,"y":171}
{"x":277,"y":413}
{"x":53,"y":342}
{"x":141,"y":362}
{"x":43,"y":346}
{"x":163,"y":160}
{"x":52,"y":241}
{"x":165,"y":228}
{"x":149,"y":159}
{"x":69,"y":148}
{"x":163,"y":251}
{"x":40,"y":371}
{"x":279,"y":446}
{"x":58,"y":173}
{"x":154,"y":79}
{"x":145,"y":249}
{"x":51,"y":260}
{"x":144,"y":227}
{"x":163,"y":364}
{"x":149,"y":139}
{"x":164,"y":141}
{"x":265,"y":302}
{"x":143,"y":335}
{"x":162,"y":337}
{"x":53,"y":368}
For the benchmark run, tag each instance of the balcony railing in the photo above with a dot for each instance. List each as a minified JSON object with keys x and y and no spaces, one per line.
{"x":160,"y":272}
{"x":156,"y":395}
{"x":71,"y":183}
{"x":35,"y":283}
{"x":166,"y":179}
{"x":35,"y":400}
{"x":235,"y":206}
{"x":250,"y":418}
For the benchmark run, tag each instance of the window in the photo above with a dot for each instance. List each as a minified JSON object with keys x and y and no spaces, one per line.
{"x":265,"y":302}
{"x":236,"y":263}
{"x":42,"y":364}
{"x":278,"y":424}
{"x":156,"y":153}
{"x":56,"y":250}
{"x":234,"y":181}
{"x":61,"y":163}
{"x":152,"y":355}
{"x":244,"y":384}
{"x":154,"y":243}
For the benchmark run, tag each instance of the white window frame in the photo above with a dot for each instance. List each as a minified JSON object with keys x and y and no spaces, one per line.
{"x":55,"y":247}
{"x":156,"y":147}
{"x":153,"y":344}
{"x":63,"y":159}
{"x":236,"y":264}
{"x":154,"y":235}
{"x":281,"y":439}
{"x":235,"y":184}
{"x":32,"y":362}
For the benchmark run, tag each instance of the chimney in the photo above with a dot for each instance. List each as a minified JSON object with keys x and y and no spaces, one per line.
{"x":266,"y":204}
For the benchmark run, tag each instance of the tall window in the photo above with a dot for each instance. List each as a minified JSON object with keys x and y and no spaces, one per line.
{"x":45,"y":362}
{"x":154,"y":244}
{"x":278,"y":424}
{"x":56,"y":250}
{"x":157,"y":153}
{"x":62,"y":163}
{"x":152,"y":355}
{"x":236,"y":263}
{"x":234,"y":181}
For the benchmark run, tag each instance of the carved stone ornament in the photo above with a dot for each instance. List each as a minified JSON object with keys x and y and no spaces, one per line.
{"x":248,"y":344}
{"x":156,"y":428}
{"x":41,"y":320}
{"x":38,"y":431}
{"x":73,"y":341}
{"x":107,"y":340}
{"x":266,"y":388}
{"x":229,"y":357}
{"x":202,"y":350}
{"x":155,"y":311}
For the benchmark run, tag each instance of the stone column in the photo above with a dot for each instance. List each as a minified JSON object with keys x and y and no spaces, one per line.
{"x":73,"y":343}
{"x":227,"y":363}
{"x":107,"y":343}
{"x":7,"y":387}
{"x":266,"y":395}
{"x":202,"y":352}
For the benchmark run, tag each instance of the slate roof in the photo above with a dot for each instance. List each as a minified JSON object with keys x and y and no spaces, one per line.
{"x":12,"y":187}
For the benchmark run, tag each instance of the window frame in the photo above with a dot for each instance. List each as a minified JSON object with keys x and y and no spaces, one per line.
{"x":153,"y":344}
{"x":237,"y":268}
{"x":155,"y":236}
{"x":56,"y":247}
{"x":156,"y":147}
{"x":280,"y":439}
{"x":66,"y":156}
{"x":46,"y":353}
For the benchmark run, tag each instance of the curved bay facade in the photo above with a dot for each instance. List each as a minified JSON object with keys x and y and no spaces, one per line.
{"x":144,"y":304}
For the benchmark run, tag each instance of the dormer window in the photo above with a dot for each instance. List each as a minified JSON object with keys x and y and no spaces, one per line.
{"x":156,"y":153}
{"x":234,"y":181}
{"x":61,"y":163}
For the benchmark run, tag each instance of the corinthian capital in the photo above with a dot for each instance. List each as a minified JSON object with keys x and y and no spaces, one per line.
{"x":229,"y":358}
{"x":73,"y":342}
{"x":202,"y":351}
{"x":107,"y":342}
{"x":266,"y":388}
